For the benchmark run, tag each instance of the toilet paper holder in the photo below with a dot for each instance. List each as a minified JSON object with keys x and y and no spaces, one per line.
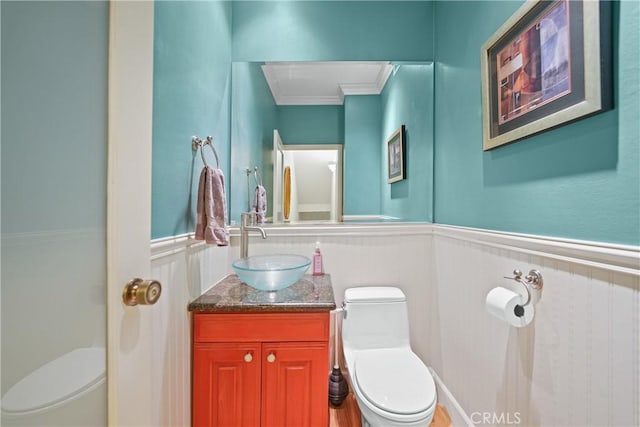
{"x":533,"y":280}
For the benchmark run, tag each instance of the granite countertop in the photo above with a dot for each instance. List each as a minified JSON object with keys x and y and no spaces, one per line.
{"x":311,"y":293}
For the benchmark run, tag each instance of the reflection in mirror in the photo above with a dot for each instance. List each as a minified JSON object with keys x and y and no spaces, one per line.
{"x":311,"y":190}
{"x":355,"y":117}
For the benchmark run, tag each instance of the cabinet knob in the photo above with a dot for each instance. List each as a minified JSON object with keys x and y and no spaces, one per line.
{"x":271,"y":358}
{"x":248,"y":357}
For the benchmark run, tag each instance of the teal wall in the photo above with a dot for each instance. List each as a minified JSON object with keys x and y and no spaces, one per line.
{"x":410,"y":199}
{"x":361,"y":155}
{"x":191,"y":96}
{"x":577,"y":181}
{"x":311,"y":124}
{"x":332,"y":30}
{"x":254,"y":115}
{"x":582,"y":178}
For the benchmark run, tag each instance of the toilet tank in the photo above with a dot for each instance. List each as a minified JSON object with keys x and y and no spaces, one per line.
{"x":375,"y":317}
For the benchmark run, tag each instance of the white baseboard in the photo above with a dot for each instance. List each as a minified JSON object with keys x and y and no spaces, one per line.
{"x":459,"y":417}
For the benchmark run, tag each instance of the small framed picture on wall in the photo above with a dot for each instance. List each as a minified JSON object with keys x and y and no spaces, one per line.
{"x":396,"y":156}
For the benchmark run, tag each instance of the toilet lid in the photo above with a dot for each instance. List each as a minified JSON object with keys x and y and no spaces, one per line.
{"x":369,"y":294}
{"x":63,"y":378}
{"x":395,"y":380}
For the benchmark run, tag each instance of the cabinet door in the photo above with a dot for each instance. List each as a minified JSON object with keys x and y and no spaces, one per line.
{"x":226,"y":384}
{"x":295,"y":384}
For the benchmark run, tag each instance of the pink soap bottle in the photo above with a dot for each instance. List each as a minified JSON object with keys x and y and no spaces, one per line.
{"x":318,"y":269}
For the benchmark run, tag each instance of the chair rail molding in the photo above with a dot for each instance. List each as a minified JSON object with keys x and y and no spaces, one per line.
{"x":617,"y":258}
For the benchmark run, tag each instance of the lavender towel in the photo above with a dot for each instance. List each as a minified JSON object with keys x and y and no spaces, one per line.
{"x":260,"y":204}
{"x":211,"y":225}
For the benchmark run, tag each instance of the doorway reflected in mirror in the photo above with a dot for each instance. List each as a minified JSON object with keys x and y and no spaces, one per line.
{"x":307,"y":182}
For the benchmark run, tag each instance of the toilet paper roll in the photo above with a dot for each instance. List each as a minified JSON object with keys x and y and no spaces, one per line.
{"x":506,"y":305}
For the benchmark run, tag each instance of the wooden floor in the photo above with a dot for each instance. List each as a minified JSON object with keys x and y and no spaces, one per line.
{"x":348,"y":415}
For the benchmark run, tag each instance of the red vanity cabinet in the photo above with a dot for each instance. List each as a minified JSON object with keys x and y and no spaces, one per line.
{"x":260,"y":369}
{"x":226,"y":384}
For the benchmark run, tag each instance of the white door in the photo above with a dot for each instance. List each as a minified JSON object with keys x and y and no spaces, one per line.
{"x":129,"y":365}
{"x":53,"y":276}
{"x":278,"y":159}
{"x":54,"y":184}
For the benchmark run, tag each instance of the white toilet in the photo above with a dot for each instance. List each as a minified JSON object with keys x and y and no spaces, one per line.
{"x":391,"y":384}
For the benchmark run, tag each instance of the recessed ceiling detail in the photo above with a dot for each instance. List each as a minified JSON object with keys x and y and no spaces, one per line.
{"x":324,"y":83}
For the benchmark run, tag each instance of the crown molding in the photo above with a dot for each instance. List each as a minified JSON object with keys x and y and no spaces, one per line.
{"x":275,"y":81}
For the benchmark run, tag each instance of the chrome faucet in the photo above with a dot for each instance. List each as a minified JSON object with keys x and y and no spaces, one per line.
{"x":247,"y":224}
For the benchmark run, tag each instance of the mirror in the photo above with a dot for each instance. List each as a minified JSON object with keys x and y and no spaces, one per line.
{"x":349,"y":107}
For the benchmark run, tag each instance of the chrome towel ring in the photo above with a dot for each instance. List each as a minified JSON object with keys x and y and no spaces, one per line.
{"x":199,"y":143}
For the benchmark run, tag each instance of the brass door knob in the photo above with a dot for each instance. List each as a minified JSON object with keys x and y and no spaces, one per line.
{"x":248,"y":357}
{"x":139,"y":291}
{"x":271,"y":358}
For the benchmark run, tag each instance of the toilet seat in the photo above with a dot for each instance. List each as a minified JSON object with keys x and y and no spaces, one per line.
{"x":57,"y":382}
{"x":395,"y":381}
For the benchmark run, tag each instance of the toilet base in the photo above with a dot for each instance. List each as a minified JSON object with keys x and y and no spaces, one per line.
{"x":371,"y":419}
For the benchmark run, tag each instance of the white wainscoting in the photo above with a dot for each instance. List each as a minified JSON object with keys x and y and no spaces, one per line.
{"x":185,"y":268}
{"x":577,"y":364}
{"x":397,"y":255}
{"x":353,"y":255}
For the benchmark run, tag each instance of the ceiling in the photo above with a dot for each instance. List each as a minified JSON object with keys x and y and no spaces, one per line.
{"x":324,"y":83}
